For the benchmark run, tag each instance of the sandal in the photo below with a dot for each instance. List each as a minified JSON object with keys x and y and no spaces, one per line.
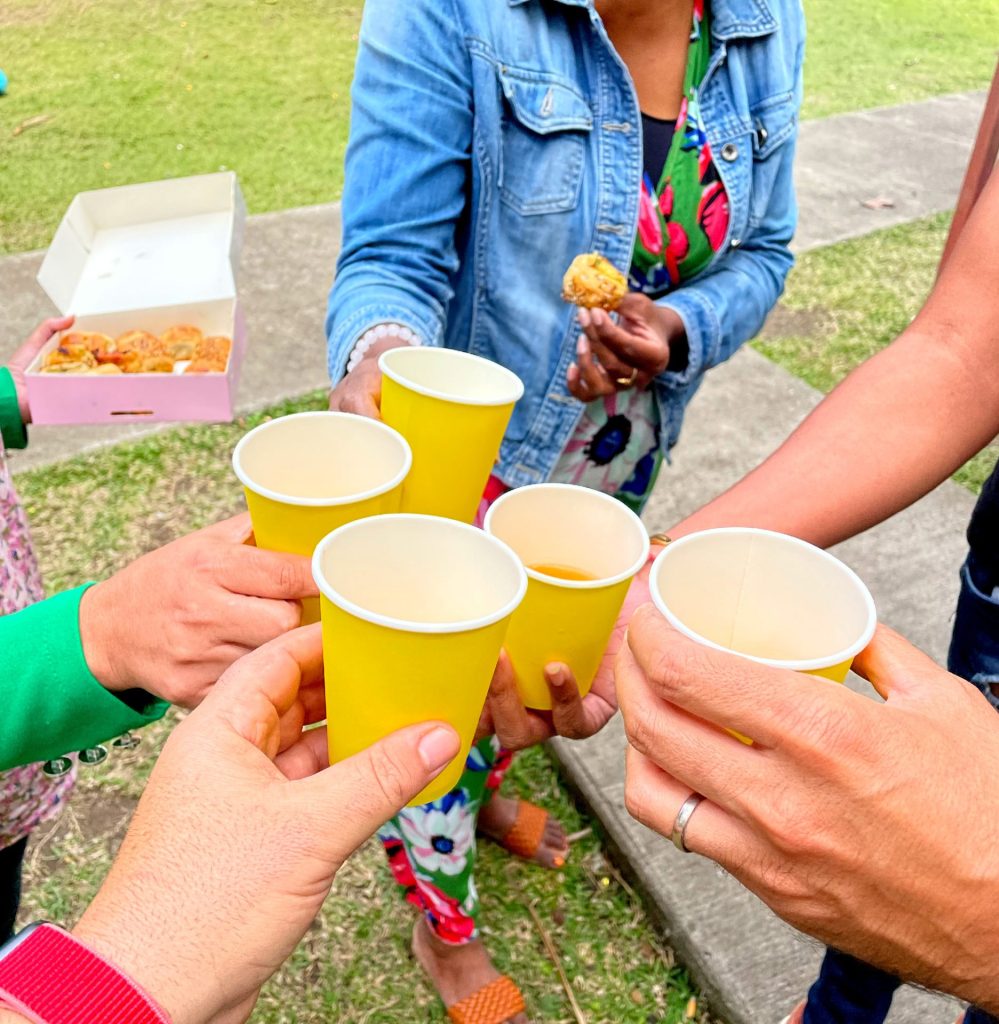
{"x":493,"y":1004}
{"x":525,"y":834}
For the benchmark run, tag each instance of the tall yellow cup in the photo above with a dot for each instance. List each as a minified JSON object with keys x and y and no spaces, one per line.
{"x":453,"y":408}
{"x":770,"y":597}
{"x":414,"y":613}
{"x":306,"y":474}
{"x":595,"y":545}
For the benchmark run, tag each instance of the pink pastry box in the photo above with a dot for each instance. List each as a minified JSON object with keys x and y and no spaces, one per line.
{"x":146,"y":257}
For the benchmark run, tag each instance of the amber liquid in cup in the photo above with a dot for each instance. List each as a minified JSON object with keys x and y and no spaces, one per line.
{"x":563,"y":572}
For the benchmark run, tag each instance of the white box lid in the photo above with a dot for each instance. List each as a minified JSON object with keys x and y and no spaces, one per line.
{"x":143,"y":246}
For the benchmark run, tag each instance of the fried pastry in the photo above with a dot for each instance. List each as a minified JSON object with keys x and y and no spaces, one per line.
{"x":97,"y":343}
{"x":593,"y":281}
{"x":104,"y":369}
{"x":69,"y":367}
{"x":214,"y":348}
{"x":68,"y":355}
{"x":149,"y":349}
{"x":205,"y":366}
{"x":156,"y":364}
{"x":180,"y":341}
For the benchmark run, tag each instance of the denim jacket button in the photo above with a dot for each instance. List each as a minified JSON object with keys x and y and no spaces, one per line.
{"x":735,"y":243}
{"x":730,"y":152}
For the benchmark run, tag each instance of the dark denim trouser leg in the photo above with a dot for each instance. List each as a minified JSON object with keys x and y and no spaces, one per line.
{"x":10,"y":886}
{"x":848,"y":991}
{"x":974,"y":655}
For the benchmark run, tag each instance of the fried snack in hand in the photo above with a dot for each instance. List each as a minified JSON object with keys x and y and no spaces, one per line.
{"x":71,"y":358}
{"x":593,"y":281}
{"x":181,"y":341}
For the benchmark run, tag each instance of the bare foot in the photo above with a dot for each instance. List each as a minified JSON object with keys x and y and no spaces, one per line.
{"x":456,"y":971}
{"x":497,"y":817}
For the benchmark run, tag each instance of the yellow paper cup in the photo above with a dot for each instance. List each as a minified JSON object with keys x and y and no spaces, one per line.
{"x":770,"y":597}
{"x":414,"y":613}
{"x":564,"y":527}
{"x":306,"y":474}
{"x":453,"y":408}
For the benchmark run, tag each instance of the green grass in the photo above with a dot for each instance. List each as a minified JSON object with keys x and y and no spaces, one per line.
{"x":93,"y":514}
{"x":125,"y":91}
{"x":846,"y":302}
{"x":875,"y":53}
{"x":155,"y":89}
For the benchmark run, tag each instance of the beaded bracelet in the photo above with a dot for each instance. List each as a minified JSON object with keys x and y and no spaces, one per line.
{"x":373,"y":334}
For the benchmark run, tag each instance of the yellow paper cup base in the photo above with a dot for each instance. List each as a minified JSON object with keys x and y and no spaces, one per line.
{"x":433,"y":678}
{"x":596,"y":545}
{"x":453,"y":408}
{"x":414,"y":611}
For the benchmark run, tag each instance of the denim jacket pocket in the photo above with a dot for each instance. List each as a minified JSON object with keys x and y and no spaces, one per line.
{"x":774,"y":121}
{"x":545,"y":124}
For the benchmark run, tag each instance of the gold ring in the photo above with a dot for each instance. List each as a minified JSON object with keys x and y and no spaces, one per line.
{"x":626,"y":382}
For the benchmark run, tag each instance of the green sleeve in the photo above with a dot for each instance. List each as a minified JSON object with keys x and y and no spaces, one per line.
{"x":12,"y":428}
{"x":51,"y":702}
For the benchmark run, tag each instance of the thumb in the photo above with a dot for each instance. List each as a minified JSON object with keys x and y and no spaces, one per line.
{"x":893,"y":666}
{"x":350,"y":800}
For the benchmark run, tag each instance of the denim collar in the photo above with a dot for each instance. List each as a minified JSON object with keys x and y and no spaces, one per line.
{"x":730,"y":19}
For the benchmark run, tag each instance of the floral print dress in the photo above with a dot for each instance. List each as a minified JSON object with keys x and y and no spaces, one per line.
{"x":683,"y":221}
{"x":27,"y":796}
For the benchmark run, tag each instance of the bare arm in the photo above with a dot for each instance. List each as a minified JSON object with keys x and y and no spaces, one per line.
{"x":899,"y":424}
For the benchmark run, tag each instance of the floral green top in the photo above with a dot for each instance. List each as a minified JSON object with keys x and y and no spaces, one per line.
{"x":682,"y":222}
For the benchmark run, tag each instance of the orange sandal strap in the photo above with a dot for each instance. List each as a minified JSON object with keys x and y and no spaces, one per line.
{"x":496,"y":1002}
{"x":524,"y":837}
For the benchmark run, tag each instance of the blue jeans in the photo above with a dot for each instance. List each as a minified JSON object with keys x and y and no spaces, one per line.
{"x":849,"y":991}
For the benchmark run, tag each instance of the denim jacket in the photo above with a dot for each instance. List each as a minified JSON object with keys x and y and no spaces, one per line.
{"x":493,"y":140}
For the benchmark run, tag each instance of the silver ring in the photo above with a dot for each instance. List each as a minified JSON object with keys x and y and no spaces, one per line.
{"x":683,"y":817}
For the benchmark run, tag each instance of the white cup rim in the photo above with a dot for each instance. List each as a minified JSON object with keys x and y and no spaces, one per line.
{"x":344,"y":499}
{"x":407,"y":625}
{"x":598,"y":584}
{"x":809,"y":665}
{"x":514,"y":395}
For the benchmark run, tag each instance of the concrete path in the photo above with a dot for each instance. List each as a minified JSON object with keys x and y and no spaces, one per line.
{"x":914,"y":155}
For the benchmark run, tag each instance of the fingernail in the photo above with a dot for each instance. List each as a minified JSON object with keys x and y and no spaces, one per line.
{"x":583,"y":317}
{"x":596,"y":317}
{"x":437,"y":748}
{"x":559,"y":862}
{"x":581,"y":345}
{"x":556,"y":676}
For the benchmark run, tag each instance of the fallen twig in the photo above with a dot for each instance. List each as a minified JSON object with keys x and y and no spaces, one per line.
{"x":556,"y":960}
{"x":31,"y":122}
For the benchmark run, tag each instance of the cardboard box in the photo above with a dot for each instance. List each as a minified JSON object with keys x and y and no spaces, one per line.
{"x":146,"y":257}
